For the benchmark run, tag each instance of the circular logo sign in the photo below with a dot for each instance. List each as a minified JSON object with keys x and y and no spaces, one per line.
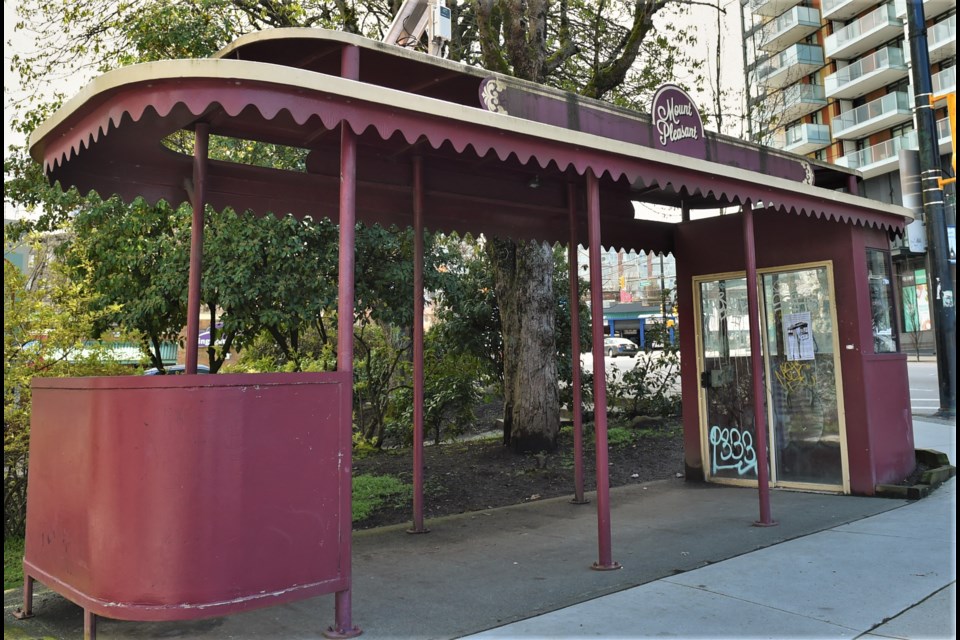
{"x":676,"y":122}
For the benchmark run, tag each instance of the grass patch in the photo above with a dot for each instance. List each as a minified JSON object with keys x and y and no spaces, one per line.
{"x":12,"y":563}
{"x":372,"y":492}
{"x":618,"y":437}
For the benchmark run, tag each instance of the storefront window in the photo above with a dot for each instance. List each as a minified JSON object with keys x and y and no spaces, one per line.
{"x":885,"y":338}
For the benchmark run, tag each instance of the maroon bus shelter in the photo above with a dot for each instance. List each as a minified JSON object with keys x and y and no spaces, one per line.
{"x":150,"y":498}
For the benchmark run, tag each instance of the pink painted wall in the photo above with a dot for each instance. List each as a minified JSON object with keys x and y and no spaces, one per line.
{"x":178,"y":497}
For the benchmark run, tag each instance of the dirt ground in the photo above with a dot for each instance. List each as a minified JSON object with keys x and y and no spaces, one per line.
{"x":482,"y":474}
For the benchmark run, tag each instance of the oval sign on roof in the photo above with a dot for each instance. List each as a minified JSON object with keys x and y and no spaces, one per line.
{"x":676,"y":121}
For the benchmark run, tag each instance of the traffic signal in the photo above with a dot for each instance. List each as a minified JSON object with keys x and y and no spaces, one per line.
{"x":951,"y":99}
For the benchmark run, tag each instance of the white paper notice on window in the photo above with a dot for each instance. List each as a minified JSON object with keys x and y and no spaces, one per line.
{"x":798,"y":336}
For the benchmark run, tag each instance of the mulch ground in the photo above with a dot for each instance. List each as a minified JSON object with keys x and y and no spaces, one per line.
{"x":483,"y":474}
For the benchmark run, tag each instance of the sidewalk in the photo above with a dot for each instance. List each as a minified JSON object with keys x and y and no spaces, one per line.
{"x":891,"y":575}
{"x":693,"y":567}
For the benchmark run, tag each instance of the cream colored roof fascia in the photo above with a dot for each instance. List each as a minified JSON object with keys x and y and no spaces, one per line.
{"x":242,"y":71}
{"x":317,"y":33}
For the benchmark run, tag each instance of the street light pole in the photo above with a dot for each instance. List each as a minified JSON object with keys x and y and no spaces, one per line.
{"x":663,"y":301}
{"x":940,"y":279}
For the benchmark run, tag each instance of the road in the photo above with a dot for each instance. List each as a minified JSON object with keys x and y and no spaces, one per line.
{"x":924,"y":389}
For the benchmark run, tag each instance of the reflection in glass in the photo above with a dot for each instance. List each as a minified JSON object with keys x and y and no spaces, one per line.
{"x":803,"y":390}
{"x":727,"y":379}
{"x":885,"y":338}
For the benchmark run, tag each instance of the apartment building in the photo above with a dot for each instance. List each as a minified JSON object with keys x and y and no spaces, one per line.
{"x":831,"y":79}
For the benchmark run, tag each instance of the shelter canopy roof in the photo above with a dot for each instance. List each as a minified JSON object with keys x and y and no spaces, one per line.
{"x":481,"y":163}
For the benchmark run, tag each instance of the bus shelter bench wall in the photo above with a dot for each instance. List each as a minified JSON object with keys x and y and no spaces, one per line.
{"x":182,"y":497}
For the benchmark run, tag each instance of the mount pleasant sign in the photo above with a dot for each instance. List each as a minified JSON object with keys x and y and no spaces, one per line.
{"x":676,"y":120}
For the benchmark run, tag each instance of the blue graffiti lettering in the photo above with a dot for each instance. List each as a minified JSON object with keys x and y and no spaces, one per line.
{"x":734,"y":448}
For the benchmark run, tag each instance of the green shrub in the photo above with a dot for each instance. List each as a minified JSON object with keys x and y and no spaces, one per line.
{"x":619,"y":437}
{"x":372,"y":492}
{"x":12,"y":563}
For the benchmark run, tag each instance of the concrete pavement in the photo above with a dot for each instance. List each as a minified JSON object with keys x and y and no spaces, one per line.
{"x":892,"y":575}
{"x":693,"y":567}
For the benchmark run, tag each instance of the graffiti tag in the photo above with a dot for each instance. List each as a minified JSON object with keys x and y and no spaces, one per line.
{"x":792,"y":375}
{"x":734,"y":448}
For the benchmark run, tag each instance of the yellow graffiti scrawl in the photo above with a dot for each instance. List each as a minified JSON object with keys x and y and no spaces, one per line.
{"x":793,"y":375}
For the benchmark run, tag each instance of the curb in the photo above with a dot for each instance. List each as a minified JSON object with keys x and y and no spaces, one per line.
{"x":937,"y":471}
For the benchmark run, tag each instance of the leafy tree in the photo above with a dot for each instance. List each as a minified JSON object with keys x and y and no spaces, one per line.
{"x":453,"y":382}
{"x":134,"y":259}
{"x":469,"y":315}
{"x":378,"y":376}
{"x":273,"y":275}
{"x":466,"y":307}
{"x":46,"y":321}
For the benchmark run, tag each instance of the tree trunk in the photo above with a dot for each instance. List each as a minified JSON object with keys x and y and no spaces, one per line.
{"x":523,"y":281}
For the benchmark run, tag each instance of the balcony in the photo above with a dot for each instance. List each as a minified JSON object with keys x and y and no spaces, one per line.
{"x":885,"y":157}
{"x":942,"y":39}
{"x":807,"y":138}
{"x":867,"y":74}
{"x":846,"y":9}
{"x":789,"y":66}
{"x":931,"y":8}
{"x":883,"y":113}
{"x":880,"y":158}
{"x":869,"y":32}
{"x":788,"y":28}
{"x":771,"y":7}
{"x":945,"y":81}
{"x":798,"y":101}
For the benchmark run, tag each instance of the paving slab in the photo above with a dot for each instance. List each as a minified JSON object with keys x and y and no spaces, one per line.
{"x":925,"y":620}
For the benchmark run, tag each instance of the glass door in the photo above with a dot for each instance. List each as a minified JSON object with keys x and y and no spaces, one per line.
{"x":726,"y":380}
{"x":801,"y":364}
{"x":804,"y":396}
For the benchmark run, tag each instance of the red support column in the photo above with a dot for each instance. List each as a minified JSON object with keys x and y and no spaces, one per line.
{"x":756,"y":368}
{"x":89,"y":625}
{"x":417,"y":347}
{"x":599,"y":377}
{"x":576,"y":409}
{"x":202,"y":136}
{"x":27,"y":610}
{"x":344,"y":628}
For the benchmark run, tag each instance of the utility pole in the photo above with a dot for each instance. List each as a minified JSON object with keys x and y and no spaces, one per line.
{"x":940,"y":279}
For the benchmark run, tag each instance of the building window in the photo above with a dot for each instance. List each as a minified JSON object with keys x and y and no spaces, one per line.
{"x":902,"y":85}
{"x":916,"y":302}
{"x":902,"y":130}
{"x":885,"y":337}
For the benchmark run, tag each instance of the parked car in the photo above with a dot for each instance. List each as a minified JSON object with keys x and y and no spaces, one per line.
{"x":620,"y":347}
{"x":175,"y":370}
